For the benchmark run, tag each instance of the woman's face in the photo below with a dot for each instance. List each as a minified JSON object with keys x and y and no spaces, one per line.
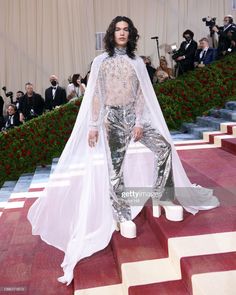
{"x":121,"y":34}
{"x":163,"y":64}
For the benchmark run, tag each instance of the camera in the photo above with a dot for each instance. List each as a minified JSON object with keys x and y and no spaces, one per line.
{"x":8,"y":94}
{"x":210,"y":22}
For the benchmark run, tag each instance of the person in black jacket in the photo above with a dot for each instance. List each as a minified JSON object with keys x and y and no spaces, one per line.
{"x":224,"y":42}
{"x":1,"y":106}
{"x":54,"y":95}
{"x":12,"y":119}
{"x":186,"y":53}
{"x":1,"y":112}
{"x":31,"y":105}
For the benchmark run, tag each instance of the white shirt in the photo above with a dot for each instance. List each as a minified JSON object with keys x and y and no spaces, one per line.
{"x":54,"y":89}
{"x":71,"y":87}
{"x":202,"y":52}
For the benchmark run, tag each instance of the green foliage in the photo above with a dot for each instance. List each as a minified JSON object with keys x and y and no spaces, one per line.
{"x":189,"y":96}
{"x":41,"y":139}
{"x":36,"y":142}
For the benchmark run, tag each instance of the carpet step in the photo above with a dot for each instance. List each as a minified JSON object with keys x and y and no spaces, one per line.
{"x":191,"y":266}
{"x":216,"y":283}
{"x":229,"y":145}
{"x":23,"y":183}
{"x":26,"y":261}
{"x":6,"y":190}
{"x":194,"y":270}
{"x":98,"y":270}
{"x":166,"y":288}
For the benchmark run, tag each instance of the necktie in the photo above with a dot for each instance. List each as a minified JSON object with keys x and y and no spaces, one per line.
{"x":203,"y":55}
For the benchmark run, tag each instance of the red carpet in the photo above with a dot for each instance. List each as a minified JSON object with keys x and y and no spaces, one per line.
{"x":30,"y":264}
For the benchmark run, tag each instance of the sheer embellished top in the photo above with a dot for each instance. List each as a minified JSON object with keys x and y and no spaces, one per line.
{"x":117,"y":85}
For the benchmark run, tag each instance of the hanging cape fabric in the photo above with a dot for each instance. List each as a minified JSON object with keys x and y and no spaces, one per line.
{"x":74,"y":212}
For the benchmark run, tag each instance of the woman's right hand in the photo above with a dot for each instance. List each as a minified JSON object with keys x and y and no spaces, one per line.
{"x":92,"y":138}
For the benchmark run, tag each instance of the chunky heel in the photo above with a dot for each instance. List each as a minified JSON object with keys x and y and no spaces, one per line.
{"x":128,"y":229}
{"x":173,"y":212}
{"x":156,"y":210}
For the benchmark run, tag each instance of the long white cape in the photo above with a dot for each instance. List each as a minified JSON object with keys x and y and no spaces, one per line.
{"x":74,"y":212}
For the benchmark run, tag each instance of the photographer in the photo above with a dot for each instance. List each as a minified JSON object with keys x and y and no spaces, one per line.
{"x":184,"y":56}
{"x":224,"y":40}
{"x":19,"y":93}
{"x":31,"y":105}
{"x":1,"y":112}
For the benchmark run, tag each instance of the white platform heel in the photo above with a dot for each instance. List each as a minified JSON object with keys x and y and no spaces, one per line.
{"x":173,"y":212}
{"x":128,"y":229}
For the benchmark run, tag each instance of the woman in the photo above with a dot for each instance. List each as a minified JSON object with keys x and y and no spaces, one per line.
{"x":87,"y":193}
{"x":76,"y":88}
{"x":163,"y":73}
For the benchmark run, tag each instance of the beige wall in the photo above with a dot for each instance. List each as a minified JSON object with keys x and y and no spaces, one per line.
{"x":41,"y":37}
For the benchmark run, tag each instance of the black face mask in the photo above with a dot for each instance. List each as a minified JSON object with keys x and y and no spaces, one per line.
{"x":54,"y":82}
{"x":188,"y":39}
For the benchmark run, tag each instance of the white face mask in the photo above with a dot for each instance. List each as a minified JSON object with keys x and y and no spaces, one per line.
{"x":226,"y":23}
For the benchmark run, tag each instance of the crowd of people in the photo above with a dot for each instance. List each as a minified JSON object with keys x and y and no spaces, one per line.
{"x":30,"y":104}
{"x":189,"y":56}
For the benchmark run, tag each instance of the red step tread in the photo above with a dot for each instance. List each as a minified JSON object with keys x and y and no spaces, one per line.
{"x":164,"y":288}
{"x":205,"y":264}
{"x":145,"y":246}
{"x":98,"y":270}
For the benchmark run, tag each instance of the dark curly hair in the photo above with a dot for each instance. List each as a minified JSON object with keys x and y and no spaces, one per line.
{"x":188,"y":32}
{"x":109,"y":38}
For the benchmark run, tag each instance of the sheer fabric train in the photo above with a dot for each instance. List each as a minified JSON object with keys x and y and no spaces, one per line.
{"x":74,"y":212}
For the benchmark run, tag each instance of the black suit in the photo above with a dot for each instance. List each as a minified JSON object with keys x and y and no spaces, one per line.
{"x":206,"y":58}
{"x":189,"y":51}
{"x":1,"y":106}
{"x":31,"y":107}
{"x":58,"y":99}
{"x":224,"y":41}
{"x":12,"y":123}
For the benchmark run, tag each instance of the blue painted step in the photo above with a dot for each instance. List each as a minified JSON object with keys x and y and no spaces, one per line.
{"x":195,"y":129}
{"x":230,"y":105}
{"x":229,"y":115}
{"x":23,"y":183}
{"x":41,"y":174}
{"x":177,"y":136}
{"x":208,"y":121}
{"x":6,"y":190}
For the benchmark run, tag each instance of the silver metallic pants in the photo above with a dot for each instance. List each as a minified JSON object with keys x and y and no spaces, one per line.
{"x":119,"y":123}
